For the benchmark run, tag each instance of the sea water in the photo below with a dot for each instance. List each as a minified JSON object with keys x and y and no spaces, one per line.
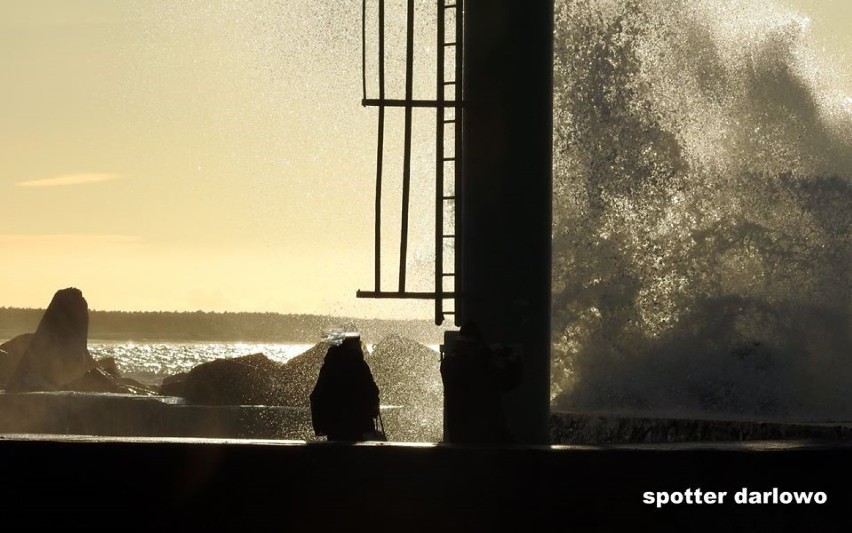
{"x":150,"y":362}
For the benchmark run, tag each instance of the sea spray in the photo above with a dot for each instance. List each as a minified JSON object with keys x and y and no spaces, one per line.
{"x":701,"y":237}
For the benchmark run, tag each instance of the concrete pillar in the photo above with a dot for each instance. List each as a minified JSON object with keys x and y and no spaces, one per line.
{"x":505,"y":212}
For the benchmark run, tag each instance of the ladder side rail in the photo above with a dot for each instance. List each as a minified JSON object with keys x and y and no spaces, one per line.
{"x":439,"y":166}
{"x":458,"y":191}
{"x":363,"y":50}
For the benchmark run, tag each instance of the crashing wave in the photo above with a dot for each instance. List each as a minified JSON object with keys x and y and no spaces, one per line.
{"x":701,"y":238}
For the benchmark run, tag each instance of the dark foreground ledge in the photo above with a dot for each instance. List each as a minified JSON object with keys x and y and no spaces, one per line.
{"x":117,"y":484}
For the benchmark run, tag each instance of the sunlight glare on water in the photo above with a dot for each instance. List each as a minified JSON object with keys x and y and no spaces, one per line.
{"x":151,"y":362}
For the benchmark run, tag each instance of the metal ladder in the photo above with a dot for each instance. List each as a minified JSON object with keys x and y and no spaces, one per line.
{"x":442,"y":198}
{"x":443,"y":121}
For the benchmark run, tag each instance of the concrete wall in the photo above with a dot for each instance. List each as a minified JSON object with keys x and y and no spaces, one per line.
{"x":171,"y":486}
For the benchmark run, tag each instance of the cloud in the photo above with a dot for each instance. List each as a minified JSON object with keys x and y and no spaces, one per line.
{"x":68,"y":179}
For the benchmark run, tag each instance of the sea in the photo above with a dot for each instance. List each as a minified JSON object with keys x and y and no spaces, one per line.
{"x":150,"y":362}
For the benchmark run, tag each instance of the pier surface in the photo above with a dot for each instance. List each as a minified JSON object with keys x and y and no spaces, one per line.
{"x":121,"y":483}
{"x":73,"y":458}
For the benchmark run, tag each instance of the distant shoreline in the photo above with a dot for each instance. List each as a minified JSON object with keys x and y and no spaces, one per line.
{"x":230,"y":327}
{"x":119,"y":340}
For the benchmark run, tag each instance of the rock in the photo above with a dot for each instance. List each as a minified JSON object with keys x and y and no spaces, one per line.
{"x":109,"y":365}
{"x":11,"y":353}
{"x":106,"y":377}
{"x":137,"y":387}
{"x":408,"y":375}
{"x":96,"y":380}
{"x":297,"y":377}
{"x":101,"y":380}
{"x":247,"y":380}
{"x":57,"y":354}
{"x":173,"y":385}
{"x":406,"y":371}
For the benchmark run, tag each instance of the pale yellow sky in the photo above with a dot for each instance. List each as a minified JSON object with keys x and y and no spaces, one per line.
{"x":177,"y":155}
{"x":188,"y":155}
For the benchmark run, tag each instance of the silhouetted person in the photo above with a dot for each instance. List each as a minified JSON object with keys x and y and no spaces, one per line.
{"x":475,"y":377}
{"x":345,"y":399}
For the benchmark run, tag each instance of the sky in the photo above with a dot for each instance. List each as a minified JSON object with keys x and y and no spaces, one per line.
{"x":214,"y":155}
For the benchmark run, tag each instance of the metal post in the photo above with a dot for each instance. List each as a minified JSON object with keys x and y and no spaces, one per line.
{"x":406,"y":156}
{"x":380,"y":147}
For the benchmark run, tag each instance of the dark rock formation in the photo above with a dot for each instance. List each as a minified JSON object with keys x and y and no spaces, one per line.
{"x":247,"y":380}
{"x":297,"y":377}
{"x":100,"y":379}
{"x":55,"y":357}
{"x":57,"y":354}
{"x":173,"y":385}
{"x":11,"y":353}
{"x":97,"y":380}
{"x":408,"y":375}
{"x":108,"y":365}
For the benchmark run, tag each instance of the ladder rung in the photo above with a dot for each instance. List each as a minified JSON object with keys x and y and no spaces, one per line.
{"x":378,"y":102}
{"x":450,"y":6}
{"x":405,"y":295}
{"x":449,"y":312}
{"x":453,"y":43}
{"x":448,"y":158}
{"x":449,"y":274}
{"x":448,"y":236}
{"x":451,"y":82}
{"x":449,"y":121}
{"x":448,"y":198}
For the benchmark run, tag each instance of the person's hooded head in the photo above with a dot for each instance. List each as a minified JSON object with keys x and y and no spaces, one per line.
{"x":350,"y":347}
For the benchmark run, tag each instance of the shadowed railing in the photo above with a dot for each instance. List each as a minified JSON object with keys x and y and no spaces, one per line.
{"x":448,"y":114}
